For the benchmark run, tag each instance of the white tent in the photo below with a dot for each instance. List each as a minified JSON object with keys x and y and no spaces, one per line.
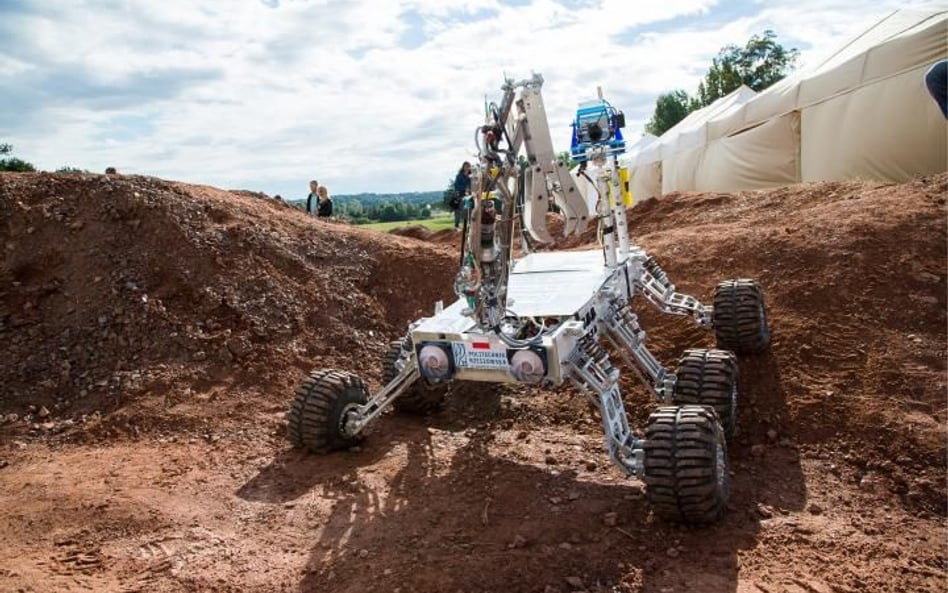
{"x":689,"y":135}
{"x":863,"y":112}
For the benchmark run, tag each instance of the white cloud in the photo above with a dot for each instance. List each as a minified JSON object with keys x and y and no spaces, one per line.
{"x":364,"y":95}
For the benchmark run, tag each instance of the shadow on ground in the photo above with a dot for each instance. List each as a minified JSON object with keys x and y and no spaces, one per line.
{"x":471,"y":518}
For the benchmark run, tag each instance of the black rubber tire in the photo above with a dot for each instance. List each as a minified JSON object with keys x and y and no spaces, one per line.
{"x":316,"y":415}
{"x":709,"y":378}
{"x":686,"y":468}
{"x":740,"y":317}
{"x":422,"y":397}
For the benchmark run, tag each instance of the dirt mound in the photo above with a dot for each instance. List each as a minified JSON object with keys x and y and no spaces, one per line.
{"x":422,"y":233}
{"x":854,"y":275}
{"x":414,"y":231}
{"x":116,"y":290}
{"x":158,"y":302}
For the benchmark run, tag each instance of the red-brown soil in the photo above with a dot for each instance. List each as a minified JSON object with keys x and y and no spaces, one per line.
{"x":152,"y":333}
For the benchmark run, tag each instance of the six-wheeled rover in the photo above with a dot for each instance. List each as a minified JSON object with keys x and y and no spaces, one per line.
{"x":548,"y":317}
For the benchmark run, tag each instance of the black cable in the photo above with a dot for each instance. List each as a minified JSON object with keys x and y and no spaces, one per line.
{"x":463,"y":237}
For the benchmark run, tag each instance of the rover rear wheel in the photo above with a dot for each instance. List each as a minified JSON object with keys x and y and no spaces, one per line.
{"x":740,"y":317}
{"x":686,"y":467}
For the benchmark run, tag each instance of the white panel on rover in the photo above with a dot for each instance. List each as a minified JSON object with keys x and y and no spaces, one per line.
{"x":556,"y":284}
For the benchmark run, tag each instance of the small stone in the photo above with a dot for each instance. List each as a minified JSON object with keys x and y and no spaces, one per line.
{"x":555,"y":500}
{"x":573,"y":495}
{"x":575,"y":582}
{"x":590,"y":466}
{"x":199,"y":356}
{"x":610,"y":519}
{"x":289,"y":504}
{"x":43,"y":412}
{"x":815,"y":509}
{"x":566,"y":546}
{"x":387,"y":572}
{"x":239,"y":346}
{"x":363,"y":553}
{"x":4,"y":463}
{"x":521,"y":435}
{"x":764,"y":511}
{"x":550,"y":460}
{"x":673,"y":552}
{"x":772,"y":434}
{"x":758,"y":450}
{"x":518,"y":542}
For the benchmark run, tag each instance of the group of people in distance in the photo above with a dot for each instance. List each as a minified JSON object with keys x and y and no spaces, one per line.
{"x":318,"y":201}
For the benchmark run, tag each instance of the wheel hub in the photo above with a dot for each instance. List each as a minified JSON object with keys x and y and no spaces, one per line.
{"x":349,"y":420}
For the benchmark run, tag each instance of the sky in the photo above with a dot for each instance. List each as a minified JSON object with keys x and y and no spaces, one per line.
{"x":362,"y":95}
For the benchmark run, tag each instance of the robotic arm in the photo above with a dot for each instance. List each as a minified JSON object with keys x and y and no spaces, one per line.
{"x":518,"y":127}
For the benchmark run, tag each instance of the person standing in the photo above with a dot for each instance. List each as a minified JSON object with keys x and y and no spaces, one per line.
{"x":324,"y":209}
{"x":462,"y":188}
{"x":312,"y":198}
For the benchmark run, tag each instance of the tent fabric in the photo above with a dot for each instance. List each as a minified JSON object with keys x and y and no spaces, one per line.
{"x":863,"y":112}
{"x":758,"y":158}
{"x":646,"y":181}
{"x":689,"y":132}
{"x":678,"y":170}
{"x":890,"y":130}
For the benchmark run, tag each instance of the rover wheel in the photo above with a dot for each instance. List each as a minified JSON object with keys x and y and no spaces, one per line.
{"x":686,"y":468}
{"x":709,"y":378}
{"x":420,"y":398}
{"x":740,"y":317}
{"x":319,"y":410}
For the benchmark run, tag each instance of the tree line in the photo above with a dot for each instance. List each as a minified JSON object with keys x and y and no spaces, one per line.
{"x":373,"y":207}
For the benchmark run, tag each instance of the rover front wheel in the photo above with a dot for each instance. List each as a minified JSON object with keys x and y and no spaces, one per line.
{"x":318,"y":412}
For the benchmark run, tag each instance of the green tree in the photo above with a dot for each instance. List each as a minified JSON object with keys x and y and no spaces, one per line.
{"x":759,"y":64}
{"x":11,"y":163}
{"x":670,"y":108}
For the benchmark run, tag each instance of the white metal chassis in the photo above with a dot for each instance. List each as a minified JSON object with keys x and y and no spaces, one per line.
{"x":591,"y":299}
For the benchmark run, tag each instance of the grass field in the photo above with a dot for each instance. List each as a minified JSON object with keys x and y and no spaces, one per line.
{"x":436,"y":223}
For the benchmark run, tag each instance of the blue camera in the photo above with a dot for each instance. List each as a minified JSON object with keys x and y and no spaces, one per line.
{"x":597,"y":126}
